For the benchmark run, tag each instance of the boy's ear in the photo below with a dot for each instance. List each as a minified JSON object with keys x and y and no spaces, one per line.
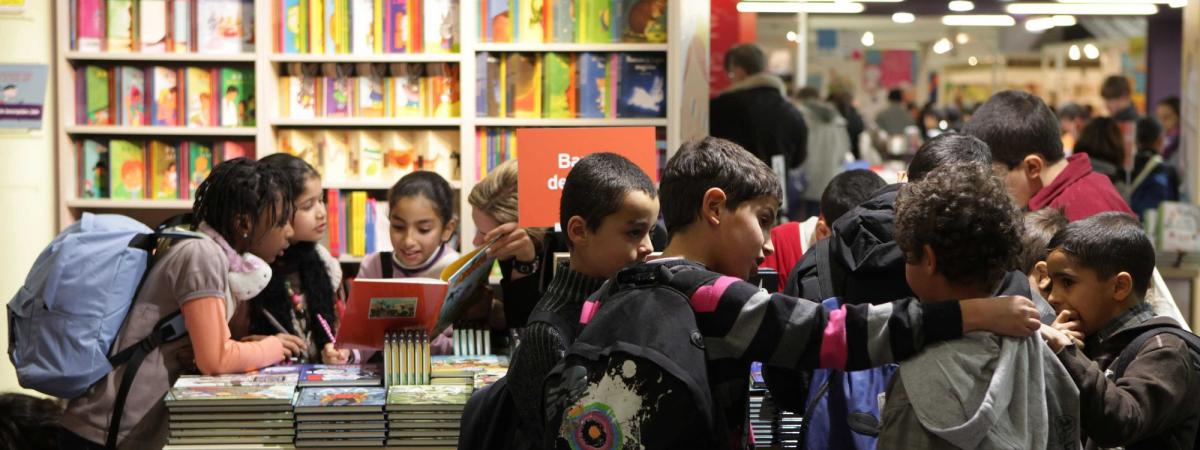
{"x":712,"y":206}
{"x":448,"y":230}
{"x":822,"y":230}
{"x":1122,"y":286}
{"x":1032,"y":166}
{"x":1042,"y":273}
{"x":576,"y":230}
{"x":928,"y":260}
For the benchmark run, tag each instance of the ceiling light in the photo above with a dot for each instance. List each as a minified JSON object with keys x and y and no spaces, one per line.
{"x":1091,"y":52}
{"x":942,"y":46}
{"x":962,"y":38}
{"x":973,"y":61}
{"x":1073,"y":53}
{"x":791,"y":36}
{"x":786,"y":7}
{"x":961,"y":6}
{"x":1177,"y":3}
{"x":1123,"y":2}
{"x":903,"y":17}
{"x":1108,"y":9}
{"x":868,"y":39}
{"x":1038,"y":24}
{"x":978,"y":20}
{"x":1063,"y":20}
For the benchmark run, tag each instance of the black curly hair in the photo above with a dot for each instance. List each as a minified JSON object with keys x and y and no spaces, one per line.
{"x":238,"y":189}
{"x":963,"y":213}
{"x":29,"y":422}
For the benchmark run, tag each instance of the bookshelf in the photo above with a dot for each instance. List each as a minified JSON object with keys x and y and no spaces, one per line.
{"x":686,"y":105}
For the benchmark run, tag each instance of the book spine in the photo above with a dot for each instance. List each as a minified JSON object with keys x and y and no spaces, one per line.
{"x":334,"y":220}
{"x":369,"y":231}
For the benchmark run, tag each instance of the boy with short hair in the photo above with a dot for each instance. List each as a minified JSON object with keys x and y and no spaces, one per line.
{"x":1100,"y":269}
{"x":1026,"y":146}
{"x":960,"y":232}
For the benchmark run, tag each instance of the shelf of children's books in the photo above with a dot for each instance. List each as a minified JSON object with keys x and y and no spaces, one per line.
{"x":509,"y":122}
{"x":370,"y":57}
{"x":571,"y":47}
{"x":369,"y":122}
{"x":357,"y":185}
{"x":106,"y":203}
{"x":161,"y":57}
{"x":161,"y":131}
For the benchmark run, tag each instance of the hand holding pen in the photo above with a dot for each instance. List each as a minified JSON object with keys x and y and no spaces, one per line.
{"x":293,"y":346}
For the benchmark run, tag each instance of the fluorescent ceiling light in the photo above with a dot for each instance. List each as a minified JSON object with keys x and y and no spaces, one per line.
{"x":790,"y":7}
{"x":1091,"y":51}
{"x":1106,"y":9}
{"x":978,"y":20}
{"x":1037,"y":24}
{"x":835,"y":1}
{"x":1123,"y":2}
{"x":961,"y":6}
{"x":942,"y":46}
{"x":1177,"y":3}
{"x":903,"y":17}
{"x":868,"y":39}
{"x":1063,"y":20}
{"x":1073,"y":53}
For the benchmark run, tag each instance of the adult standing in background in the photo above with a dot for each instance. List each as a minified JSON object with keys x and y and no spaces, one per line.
{"x":1118,"y":100}
{"x":828,"y":145}
{"x":854,"y":121}
{"x":1168,"y":115}
{"x":895,"y":118}
{"x":755,"y":112}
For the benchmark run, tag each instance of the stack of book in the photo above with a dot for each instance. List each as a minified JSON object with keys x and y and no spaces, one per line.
{"x":331,"y":375}
{"x":476,"y":371}
{"x":253,"y":408}
{"x":771,"y":426}
{"x":569,"y":85}
{"x":341,"y":417}
{"x":406,"y":358}
{"x":426,"y":416}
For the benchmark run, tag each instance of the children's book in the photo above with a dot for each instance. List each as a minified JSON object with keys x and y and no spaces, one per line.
{"x":200,"y":106}
{"x":120,"y":33}
{"x":219,"y":26}
{"x":369,"y":227}
{"x":524,"y":85}
{"x":93,"y":169}
{"x":441,"y":26}
{"x":128,"y":169}
{"x":405,"y":89}
{"x":300,"y":143}
{"x":396,"y":31}
{"x":164,"y":170}
{"x":595,"y":21}
{"x":152,"y":29}
{"x":640,"y":20}
{"x":237,"y":97}
{"x":399,"y":153}
{"x":324,"y":375}
{"x":371,"y":95}
{"x":439,"y":152}
{"x":236,"y":149}
{"x":341,"y":399}
{"x":181,"y":26}
{"x":132,"y":96}
{"x":331,"y":26}
{"x":290,"y":25}
{"x":316,"y":26}
{"x":444,"y":90}
{"x":252,"y":378}
{"x":301,"y":93}
{"x":531,"y":17}
{"x":369,"y":148}
{"x":222,"y":394}
{"x":465,"y":366}
{"x":90,"y":26}
{"x":499,"y":24}
{"x":335,"y":146}
{"x":1178,"y":227}
{"x":642,"y":85}
{"x":428,"y":398}
{"x":338,"y":89}
{"x":95,"y":83}
{"x":362,"y":35}
{"x":358,"y":217}
{"x":200,"y":164}
{"x":563,"y":24}
{"x":377,"y":306}
{"x":559,"y":93}
{"x":164,"y":103}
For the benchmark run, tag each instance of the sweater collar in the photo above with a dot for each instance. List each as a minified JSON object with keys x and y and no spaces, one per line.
{"x":758,"y":80}
{"x":1079,"y":166}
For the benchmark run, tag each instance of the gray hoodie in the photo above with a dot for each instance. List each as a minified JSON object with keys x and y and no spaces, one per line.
{"x":984,"y":392}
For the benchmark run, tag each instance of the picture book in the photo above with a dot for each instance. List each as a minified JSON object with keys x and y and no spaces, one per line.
{"x":237,"y":97}
{"x":253,"y":379}
{"x":369,"y":148}
{"x":488,"y":377}
{"x":358,"y":212}
{"x":640,"y":20}
{"x":301,"y":90}
{"x":268,"y":394}
{"x":498,"y":26}
{"x":642,"y":85}
{"x":524,"y":85}
{"x":96,"y":85}
{"x":338,"y":89}
{"x":440,"y":152}
{"x":371,"y":96}
{"x":152,"y":27}
{"x":181,"y":27}
{"x":236,"y":149}
{"x":396,"y":27}
{"x":432,"y":397}
{"x":132,"y":96}
{"x":89,"y":26}
{"x":440,"y":26}
{"x":199,"y":90}
{"x":341,"y":375}
{"x":376,"y":306}
{"x":127,"y":169}
{"x":290,"y":24}
{"x":593,"y":85}
{"x":559,"y":77}
{"x":443,"y":92}
{"x":465,"y":366}
{"x":562,"y":24}
{"x":164,"y":170}
{"x":164,"y":103}
{"x":399,"y":153}
{"x":93,"y":170}
{"x":200,"y":164}
{"x":335,"y":147}
{"x":595,"y":21}
{"x":405,"y":89}
{"x":342,"y":399}
{"x":300,"y":143}
{"x":362,"y":35}
{"x":120,"y":33}
{"x":530,"y":17}
{"x":316,"y":26}
{"x":1177,"y":227}
{"x":330,"y":26}
{"x":219,"y":26}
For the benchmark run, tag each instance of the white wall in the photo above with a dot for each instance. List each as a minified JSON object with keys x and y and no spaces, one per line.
{"x":27,"y":178}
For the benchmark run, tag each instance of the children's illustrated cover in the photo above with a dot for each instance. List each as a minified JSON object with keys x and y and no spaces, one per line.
{"x":463,"y":276}
{"x":341,"y":375}
{"x":237,"y":97}
{"x":200,"y":163}
{"x":559,"y":94}
{"x":164,"y":106}
{"x":181,"y":27}
{"x":300,"y":143}
{"x":466,"y":366}
{"x":428,"y":395}
{"x":132,"y":96}
{"x":595,"y":21}
{"x":524,"y":84}
{"x":251,"y":394}
{"x":338,"y":88}
{"x":531,"y":18}
{"x":439,"y":152}
{"x":371,"y":96}
{"x":376,"y":306}
{"x":317,"y":399}
{"x":444,"y":90}
{"x":499,"y":23}
{"x":253,"y":379}
{"x":397,"y":27}
{"x":593,"y":85}
{"x":399,"y":154}
{"x":152,"y":29}
{"x":641,"y":20}
{"x":336,"y":147}
{"x":93,"y":176}
{"x":164,"y":170}
{"x":642,"y":85}
{"x":128,"y":169}
{"x":90,"y":26}
{"x":199,"y":90}
{"x":406,"y":89}
{"x":219,"y":26}
{"x":96,"y":84}
{"x":290,"y":24}
{"x":301,"y":93}
{"x":369,"y":148}
{"x":120,"y":33}
{"x":563,"y":23}
{"x":362,"y":34}
{"x":441,"y":26}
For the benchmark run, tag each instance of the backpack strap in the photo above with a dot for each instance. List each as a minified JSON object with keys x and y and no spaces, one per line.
{"x":825,"y":273}
{"x":385,"y":263}
{"x":167,"y":329}
{"x":1130,"y":352}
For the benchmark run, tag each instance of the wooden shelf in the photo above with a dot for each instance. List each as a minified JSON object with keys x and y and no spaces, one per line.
{"x":161,"y":131}
{"x":104,"y":203}
{"x":571,"y":47}
{"x":509,"y":122}
{"x":368,"y":122}
{"x":372,"y":185}
{"x":373,"y":58}
{"x":160,"y":57}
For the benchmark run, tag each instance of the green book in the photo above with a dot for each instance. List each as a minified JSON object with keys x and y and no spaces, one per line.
{"x":120,"y":26}
{"x":558,"y":95}
{"x":237,"y":97}
{"x":128,"y":169}
{"x":595,"y":21}
{"x":200,"y":163}
{"x":96,"y":81}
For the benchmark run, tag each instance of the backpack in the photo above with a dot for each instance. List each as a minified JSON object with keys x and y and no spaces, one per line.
{"x":636,"y":376}
{"x":1131,"y":350}
{"x":64,"y":319}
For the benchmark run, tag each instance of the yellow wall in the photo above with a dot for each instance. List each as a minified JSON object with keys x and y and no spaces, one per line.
{"x":27,"y":179}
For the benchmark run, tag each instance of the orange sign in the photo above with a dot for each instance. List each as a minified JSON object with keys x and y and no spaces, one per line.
{"x":546,"y":155}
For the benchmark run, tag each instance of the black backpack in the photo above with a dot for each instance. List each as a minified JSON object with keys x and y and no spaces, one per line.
{"x":1131,"y":350}
{"x":636,"y":375}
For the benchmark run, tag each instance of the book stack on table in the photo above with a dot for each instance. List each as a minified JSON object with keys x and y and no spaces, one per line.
{"x":477,"y":371}
{"x":425,"y":416}
{"x":347,"y":416}
{"x":254,"y":408}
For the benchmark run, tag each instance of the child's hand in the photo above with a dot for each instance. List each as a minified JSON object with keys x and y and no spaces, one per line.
{"x":1008,"y":316}
{"x":1057,"y":340}
{"x":1068,"y":323}
{"x":292,"y":345}
{"x":331,"y":355}
{"x":513,"y":242}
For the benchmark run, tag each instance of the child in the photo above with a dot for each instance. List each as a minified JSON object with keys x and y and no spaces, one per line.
{"x":959,"y":232}
{"x":1024,"y":139}
{"x":305,"y":279}
{"x":720,"y":202}
{"x":1100,"y":269}
{"x":1040,"y":227}
{"x":242,"y":211}
{"x":29,"y":422}
{"x":422,"y":220}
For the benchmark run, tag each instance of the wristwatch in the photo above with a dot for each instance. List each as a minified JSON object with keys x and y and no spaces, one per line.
{"x":525,"y":267}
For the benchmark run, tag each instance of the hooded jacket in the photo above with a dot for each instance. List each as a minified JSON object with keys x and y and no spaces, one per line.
{"x":828,"y":145}
{"x":755,"y":115}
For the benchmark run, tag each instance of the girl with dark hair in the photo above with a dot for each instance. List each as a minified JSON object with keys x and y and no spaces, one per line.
{"x":1101,"y":140}
{"x":242,"y":214}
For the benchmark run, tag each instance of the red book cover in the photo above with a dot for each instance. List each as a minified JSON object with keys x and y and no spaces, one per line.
{"x":377,"y":306}
{"x":331,"y":203}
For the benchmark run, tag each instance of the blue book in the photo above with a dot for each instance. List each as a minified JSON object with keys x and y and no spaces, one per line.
{"x":291,"y":35}
{"x":642,"y":90}
{"x":593,"y":85}
{"x":370,"y":227}
{"x":498,"y":26}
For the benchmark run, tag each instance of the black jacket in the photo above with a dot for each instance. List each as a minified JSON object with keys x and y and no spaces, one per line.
{"x":756,"y":115}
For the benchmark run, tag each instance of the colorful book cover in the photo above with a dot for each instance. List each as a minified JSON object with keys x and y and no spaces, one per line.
{"x":482,"y":83}
{"x":302,"y":91}
{"x":531,"y":17}
{"x":358,"y":214}
{"x":340,"y":375}
{"x":595,"y":21}
{"x":466,"y":366}
{"x":336,"y":147}
{"x":642,"y":85}
{"x":120,"y":32}
{"x":562,"y":20}
{"x":559,"y":93}
{"x":333,"y":397}
{"x":339,"y":86}
{"x":399,"y":154}
{"x":93,"y":173}
{"x":164,"y":170}
{"x":416,"y":21}
{"x":398,"y":34}
{"x":219,"y":26}
{"x":291,"y":25}
{"x":499,"y":23}
{"x":524,"y":84}
{"x":96,"y":92}
{"x":334,"y":220}
{"x":127,"y":169}
{"x":152,"y":28}
{"x":331,"y":26}
{"x":406,"y":89}
{"x":362,"y":35}
{"x":237,"y":97}
{"x":439,"y":152}
{"x":132,"y":100}
{"x":316,"y":26}
{"x":236,"y":149}
{"x":428,"y":395}
{"x":371,"y":94}
{"x":443,"y":91}
{"x":593,"y":85}
{"x":164,"y":105}
{"x":369,"y":147}
{"x":181,"y":28}
{"x":369,"y":227}
{"x":200,"y":164}
{"x":90,"y":26}
{"x":200,"y":102}
{"x":441,"y":26}
{"x":640,"y":20}
{"x":300,"y":143}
